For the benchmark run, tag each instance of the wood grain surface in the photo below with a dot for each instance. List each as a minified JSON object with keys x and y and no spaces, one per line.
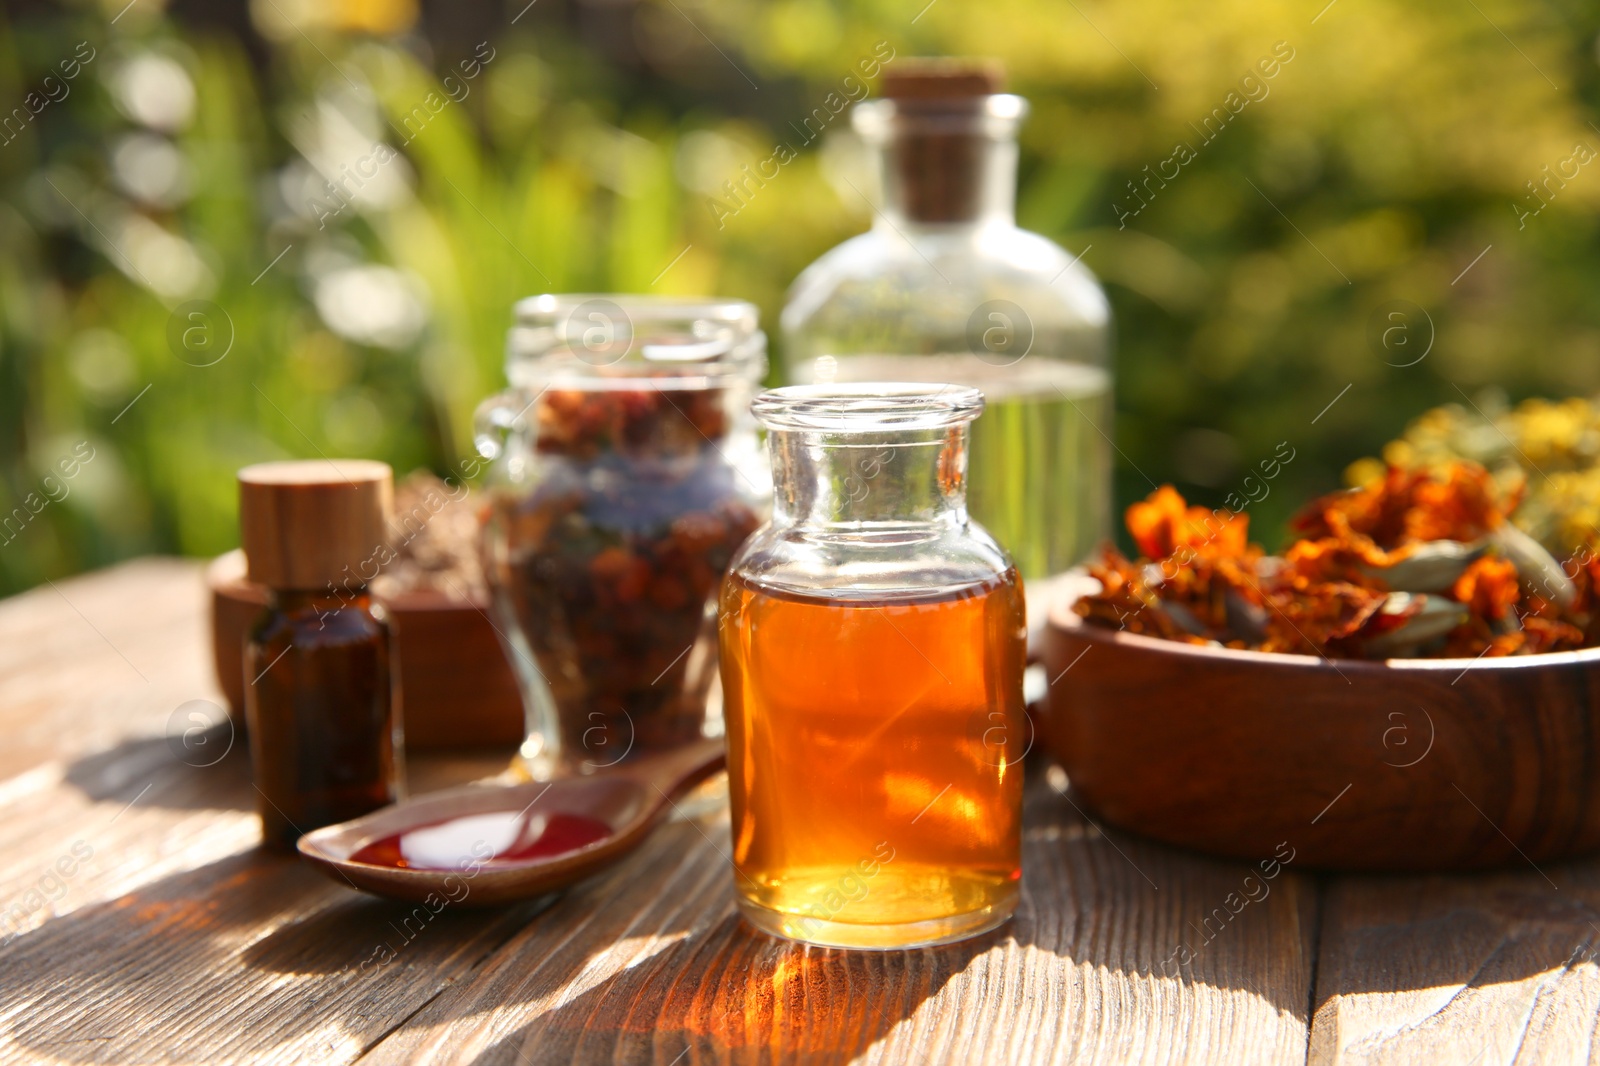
{"x":139,"y":923}
{"x":1488,"y":969}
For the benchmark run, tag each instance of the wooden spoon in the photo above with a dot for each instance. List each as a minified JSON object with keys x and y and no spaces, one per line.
{"x":629,"y":800}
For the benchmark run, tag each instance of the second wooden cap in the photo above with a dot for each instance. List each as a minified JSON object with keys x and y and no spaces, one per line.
{"x":303,"y":523}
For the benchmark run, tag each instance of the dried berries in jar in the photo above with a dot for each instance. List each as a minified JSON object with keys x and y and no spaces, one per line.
{"x":612,"y":559}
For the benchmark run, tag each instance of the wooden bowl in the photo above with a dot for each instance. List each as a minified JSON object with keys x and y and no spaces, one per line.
{"x":457,"y":690}
{"x":1409,"y":764}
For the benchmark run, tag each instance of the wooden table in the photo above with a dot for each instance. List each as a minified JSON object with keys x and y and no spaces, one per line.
{"x":141,"y":924}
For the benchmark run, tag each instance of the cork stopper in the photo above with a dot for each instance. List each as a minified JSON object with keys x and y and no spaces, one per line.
{"x":939,"y":152}
{"x":942,"y":79}
{"x":304,"y":523}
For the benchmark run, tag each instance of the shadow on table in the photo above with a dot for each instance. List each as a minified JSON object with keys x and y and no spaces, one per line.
{"x":1091,"y":912}
{"x":213,"y":774}
{"x":733,"y":994}
{"x":1385,"y":934}
{"x":195,"y":965}
{"x":383,"y":928}
{"x":1102,"y":919}
{"x":211,"y":771}
{"x":155,"y":976}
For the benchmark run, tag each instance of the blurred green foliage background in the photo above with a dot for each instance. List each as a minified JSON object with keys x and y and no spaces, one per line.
{"x":355,"y":191}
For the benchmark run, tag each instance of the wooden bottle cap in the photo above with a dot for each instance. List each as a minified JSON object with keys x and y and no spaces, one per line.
{"x":303,"y":523}
{"x":942,"y":79}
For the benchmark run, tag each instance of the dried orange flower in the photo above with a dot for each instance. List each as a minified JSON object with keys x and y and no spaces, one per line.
{"x":1162,"y":525}
{"x":1488,"y":587}
{"x":1414,"y":562}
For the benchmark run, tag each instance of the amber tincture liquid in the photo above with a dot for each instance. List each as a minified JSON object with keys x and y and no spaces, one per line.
{"x":321,"y":716}
{"x":874,"y":759}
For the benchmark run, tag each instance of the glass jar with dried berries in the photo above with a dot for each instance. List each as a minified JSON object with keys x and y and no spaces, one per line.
{"x":626,"y":474}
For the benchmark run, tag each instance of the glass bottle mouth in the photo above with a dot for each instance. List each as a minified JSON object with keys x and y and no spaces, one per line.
{"x":598,"y":341}
{"x":995,"y":117}
{"x":867,"y":407}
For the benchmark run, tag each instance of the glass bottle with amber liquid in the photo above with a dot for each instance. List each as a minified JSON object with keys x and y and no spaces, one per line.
{"x":321,"y":704}
{"x":872,"y":651}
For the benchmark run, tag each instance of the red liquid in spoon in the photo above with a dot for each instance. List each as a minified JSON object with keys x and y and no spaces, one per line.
{"x":485,"y":840}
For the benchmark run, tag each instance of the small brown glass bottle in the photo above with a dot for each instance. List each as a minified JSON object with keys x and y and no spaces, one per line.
{"x":321,"y":703}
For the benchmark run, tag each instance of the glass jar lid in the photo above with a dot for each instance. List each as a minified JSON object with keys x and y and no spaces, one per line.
{"x":625,"y":341}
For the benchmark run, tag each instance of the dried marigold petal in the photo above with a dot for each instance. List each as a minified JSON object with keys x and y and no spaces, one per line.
{"x":1585,"y":610}
{"x":1162,"y":525}
{"x":1338,"y":618}
{"x":1507,"y":644}
{"x":1152,"y":522}
{"x":1474,"y":638}
{"x":1309,"y":618}
{"x":1488,"y":587}
{"x":1123,"y":601}
{"x":1340,"y":560}
{"x":1544,"y":634}
{"x":1406,"y":506}
{"x":1392,"y":568}
{"x":1462,"y":506}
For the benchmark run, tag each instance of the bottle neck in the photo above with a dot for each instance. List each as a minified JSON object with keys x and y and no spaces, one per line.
{"x":945,"y":162}
{"x":954,"y":180}
{"x":330,"y":598}
{"x":890,"y":483}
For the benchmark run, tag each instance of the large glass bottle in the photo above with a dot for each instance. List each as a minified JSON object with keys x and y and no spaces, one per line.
{"x":872,"y":658}
{"x":945,"y":287}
